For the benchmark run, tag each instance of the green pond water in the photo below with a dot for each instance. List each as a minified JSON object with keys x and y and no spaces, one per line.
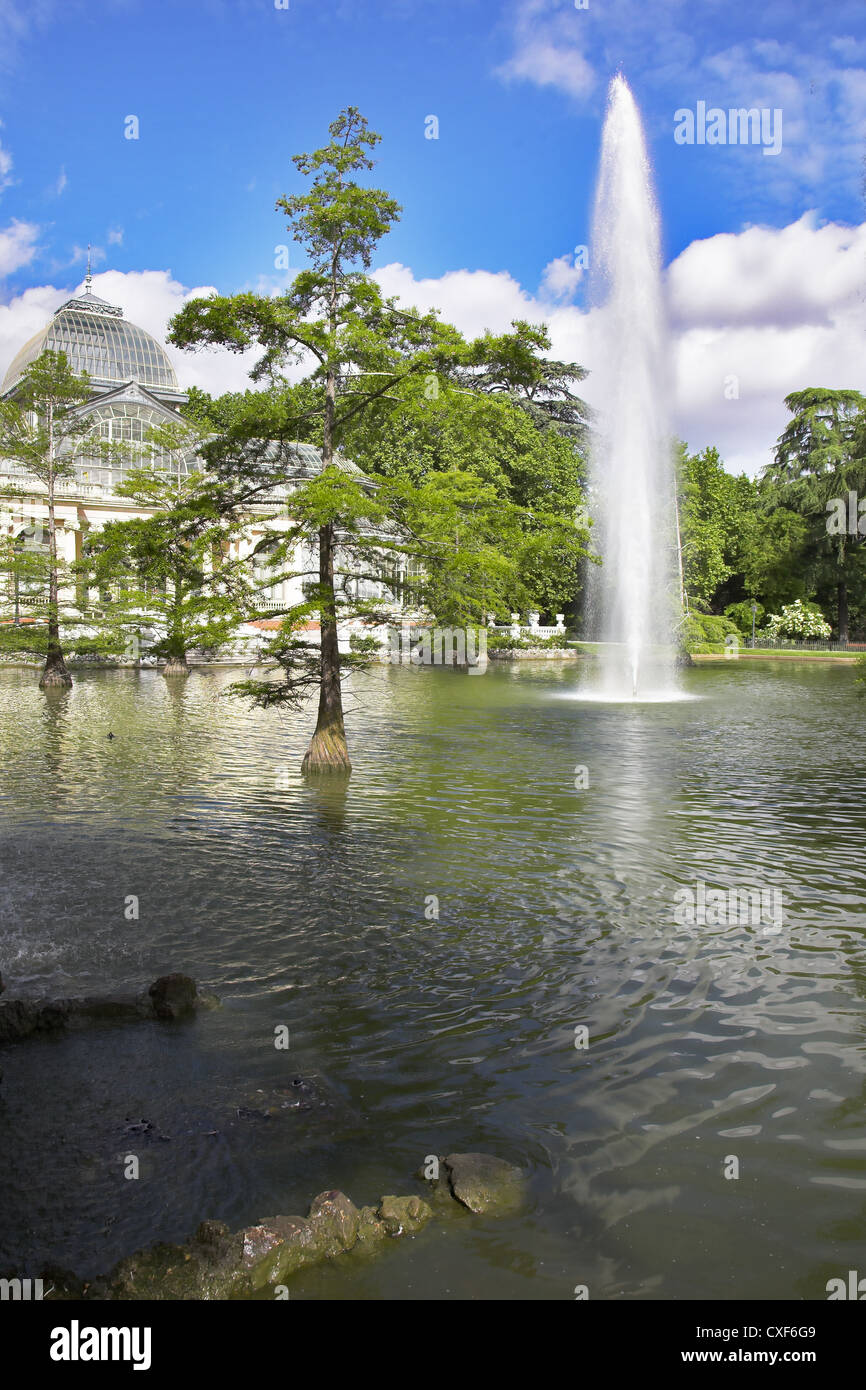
{"x":305,"y":906}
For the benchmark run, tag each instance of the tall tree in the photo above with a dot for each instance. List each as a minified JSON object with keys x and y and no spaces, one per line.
{"x":169,"y":581}
{"x":360,"y":346}
{"x":41,"y":428}
{"x":819,"y":459}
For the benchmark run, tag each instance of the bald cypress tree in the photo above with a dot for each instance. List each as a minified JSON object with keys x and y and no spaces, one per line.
{"x":359,"y":344}
{"x":40,"y":429}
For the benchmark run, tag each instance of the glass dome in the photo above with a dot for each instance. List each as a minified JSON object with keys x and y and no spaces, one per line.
{"x":98,"y":340}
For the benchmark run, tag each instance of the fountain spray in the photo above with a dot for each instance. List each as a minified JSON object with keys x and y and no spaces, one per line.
{"x":632,"y":595}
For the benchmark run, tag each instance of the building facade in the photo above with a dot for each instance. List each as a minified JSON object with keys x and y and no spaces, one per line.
{"x":133,"y":389}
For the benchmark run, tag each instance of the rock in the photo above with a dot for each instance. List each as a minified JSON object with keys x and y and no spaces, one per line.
{"x":219,"y":1264}
{"x":403,"y":1215}
{"x":21,"y":1017}
{"x":211,"y":1233}
{"x":276,"y":1248}
{"x":335,"y":1219}
{"x":170,"y":997}
{"x":301,"y":1093}
{"x":485,"y":1184}
{"x":370,"y":1228}
{"x":173,"y":996}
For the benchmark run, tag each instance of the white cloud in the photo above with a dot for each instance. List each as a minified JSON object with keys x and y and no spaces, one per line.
{"x":548,"y":49}
{"x":17,"y":245}
{"x":777,"y":309}
{"x":151,"y":298}
{"x":474,"y":300}
{"x":560,"y":278}
{"x":5,"y":168}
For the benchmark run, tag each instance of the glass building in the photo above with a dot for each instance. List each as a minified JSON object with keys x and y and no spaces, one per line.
{"x":97,"y":339}
{"x":132,"y":381}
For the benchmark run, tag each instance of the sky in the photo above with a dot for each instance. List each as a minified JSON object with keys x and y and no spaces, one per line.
{"x":764,"y":252}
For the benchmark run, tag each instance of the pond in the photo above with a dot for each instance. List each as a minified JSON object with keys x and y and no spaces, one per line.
{"x":315,"y":908}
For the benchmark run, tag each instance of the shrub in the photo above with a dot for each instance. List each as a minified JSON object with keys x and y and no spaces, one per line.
{"x":741,"y":614}
{"x":798,"y":619}
{"x":364,"y":644}
{"x":705,"y":631}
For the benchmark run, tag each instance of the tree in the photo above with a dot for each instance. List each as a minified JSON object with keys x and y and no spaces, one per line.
{"x":334,"y":314}
{"x":40,"y":429}
{"x":365,"y":352}
{"x":711,"y":507}
{"x":819,"y":459}
{"x":170,"y":575}
{"x":534,"y":468}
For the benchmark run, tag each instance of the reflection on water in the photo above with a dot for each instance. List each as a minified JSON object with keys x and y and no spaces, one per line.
{"x":305,"y":905}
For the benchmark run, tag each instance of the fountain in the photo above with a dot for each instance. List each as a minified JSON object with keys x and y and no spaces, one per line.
{"x":633,"y":595}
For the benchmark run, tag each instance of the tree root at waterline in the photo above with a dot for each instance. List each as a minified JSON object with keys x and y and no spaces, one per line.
{"x":55,"y":674}
{"x":327,"y":753}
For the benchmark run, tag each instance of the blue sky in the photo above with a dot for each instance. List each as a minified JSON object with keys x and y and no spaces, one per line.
{"x":226,"y":91}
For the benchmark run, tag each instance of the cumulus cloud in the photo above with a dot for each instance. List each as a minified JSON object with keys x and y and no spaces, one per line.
{"x":768,"y":311}
{"x":474,"y":300}
{"x":561,"y":278}
{"x":754,"y":315}
{"x":17,"y":245}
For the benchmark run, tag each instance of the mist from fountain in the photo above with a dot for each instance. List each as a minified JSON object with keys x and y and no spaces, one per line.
{"x":633,"y":596}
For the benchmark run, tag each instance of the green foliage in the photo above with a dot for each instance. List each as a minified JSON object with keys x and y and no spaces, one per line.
{"x":498,"y":641}
{"x":469,"y":451}
{"x":712,"y":504}
{"x":741,"y":614}
{"x":707,"y":631}
{"x":168,"y":580}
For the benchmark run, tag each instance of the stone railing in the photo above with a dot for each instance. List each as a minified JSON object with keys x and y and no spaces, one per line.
{"x":531,"y":629}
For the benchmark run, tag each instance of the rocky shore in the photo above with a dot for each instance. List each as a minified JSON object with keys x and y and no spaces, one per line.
{"x":216,"y":1263}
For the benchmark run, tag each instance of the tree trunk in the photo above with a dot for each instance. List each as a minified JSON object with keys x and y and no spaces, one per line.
{"x":176,"y":663}
{"x":54,"y":672}
{"x":328,"y":751}
{"x":843,"y":611}
{"x":176,"y":666}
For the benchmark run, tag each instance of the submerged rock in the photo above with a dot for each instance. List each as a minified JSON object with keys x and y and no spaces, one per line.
{"x":169,"y":997}
{"x":484,"y":1184}
{"x":173,"y":996}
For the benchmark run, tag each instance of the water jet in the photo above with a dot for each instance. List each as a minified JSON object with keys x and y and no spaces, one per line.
{"x":633,"y":596}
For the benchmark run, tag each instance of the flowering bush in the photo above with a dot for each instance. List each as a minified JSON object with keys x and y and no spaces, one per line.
{"x":798,"y":619}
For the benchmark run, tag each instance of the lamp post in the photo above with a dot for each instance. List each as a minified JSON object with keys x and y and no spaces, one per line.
{"x":754,"y":611}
